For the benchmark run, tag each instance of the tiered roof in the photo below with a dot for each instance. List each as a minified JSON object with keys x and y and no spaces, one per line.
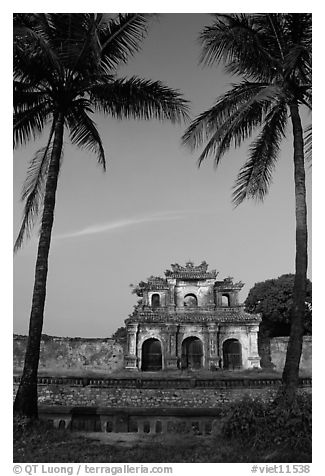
{"x":219,"y":316}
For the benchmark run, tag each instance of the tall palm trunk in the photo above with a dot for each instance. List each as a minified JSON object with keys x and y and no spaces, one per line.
{"x":291,"y":369}
{"x":26,"y":398}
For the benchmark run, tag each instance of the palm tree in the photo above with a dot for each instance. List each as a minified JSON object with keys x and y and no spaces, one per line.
{"x":272,"y":55}
{"x":64,"y":71}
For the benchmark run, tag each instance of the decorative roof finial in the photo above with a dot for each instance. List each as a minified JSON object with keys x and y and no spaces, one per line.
{"x":190,"y":271}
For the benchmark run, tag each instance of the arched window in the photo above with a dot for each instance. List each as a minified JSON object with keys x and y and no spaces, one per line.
{"x":225,"y":300}
{"x":155,"y":301}
{"x":190,"y":300}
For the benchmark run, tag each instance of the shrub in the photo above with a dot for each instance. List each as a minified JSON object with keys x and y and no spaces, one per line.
{"x":243,"y":419}
{"x":291,"y":426}
{"x":271,"y":425}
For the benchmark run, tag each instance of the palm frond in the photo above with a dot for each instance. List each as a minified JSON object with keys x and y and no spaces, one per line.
{"x":34,"y":55}
{"x":30,"y":123}
{"x":120,"y":37}
{"x":88,"y":54}
{"x":235,"y":130}
{"x":33,"y":190}
{"x":226,"y":107}
{"x":297,"y":57}
{"x":255,"y":176}
{"x":83,"y":131}
{"x":306,"y":99}
{"x":239,"y":41}
{"x":298,"y":28}
{"x":73,"y":36}
{"x":232,"y":119}
{"x":26,"y":96}
{"x":139,"y":99}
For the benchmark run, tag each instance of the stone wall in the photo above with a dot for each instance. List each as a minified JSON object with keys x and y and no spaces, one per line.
{"x":278,"y":350}
{"x":67,"y":356}
{"x":94,"y":396}
{"x":79,"y":356}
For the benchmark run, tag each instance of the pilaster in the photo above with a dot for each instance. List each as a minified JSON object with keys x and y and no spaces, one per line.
{"x":131,"y":357}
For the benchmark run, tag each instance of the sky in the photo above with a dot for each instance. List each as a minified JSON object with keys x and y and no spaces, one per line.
{"x":153,"y":206}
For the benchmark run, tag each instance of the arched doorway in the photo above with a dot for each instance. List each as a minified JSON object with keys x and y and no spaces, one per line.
{"x":151,"y":355}
{"x":192,"y":353}
{"x":232,"y":354}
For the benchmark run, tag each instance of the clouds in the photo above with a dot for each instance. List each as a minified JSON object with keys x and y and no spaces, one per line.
{"x":124,"y":223}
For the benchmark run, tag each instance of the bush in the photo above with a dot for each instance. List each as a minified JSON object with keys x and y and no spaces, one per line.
{"x":24,"y":427}
{"x":271,"y":425}
{"x":243,"y":419}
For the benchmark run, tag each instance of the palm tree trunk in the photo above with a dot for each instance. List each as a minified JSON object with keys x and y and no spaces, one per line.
{"x":26,"y":398}
{"x":290,"y":375}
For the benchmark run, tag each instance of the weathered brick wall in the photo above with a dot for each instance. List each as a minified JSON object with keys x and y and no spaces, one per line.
{"x":66,"y":395}
{"x":64,"y":355}
{"x":79,"y":356}
{"x":279,"y":348}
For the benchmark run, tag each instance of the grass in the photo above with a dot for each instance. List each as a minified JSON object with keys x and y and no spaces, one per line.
{"x":40,"y":444}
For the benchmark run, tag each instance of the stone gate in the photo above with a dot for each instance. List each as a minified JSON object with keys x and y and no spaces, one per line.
{"x":190,"y":320}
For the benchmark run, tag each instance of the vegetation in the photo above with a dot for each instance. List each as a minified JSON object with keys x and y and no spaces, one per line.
{"x":273,"y":434}
{"x":271,"y":53}
{"x":65,"y":71}
{"x":273,"y":299}
{"x":120,"y":336}
{"x":283,"y":429}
